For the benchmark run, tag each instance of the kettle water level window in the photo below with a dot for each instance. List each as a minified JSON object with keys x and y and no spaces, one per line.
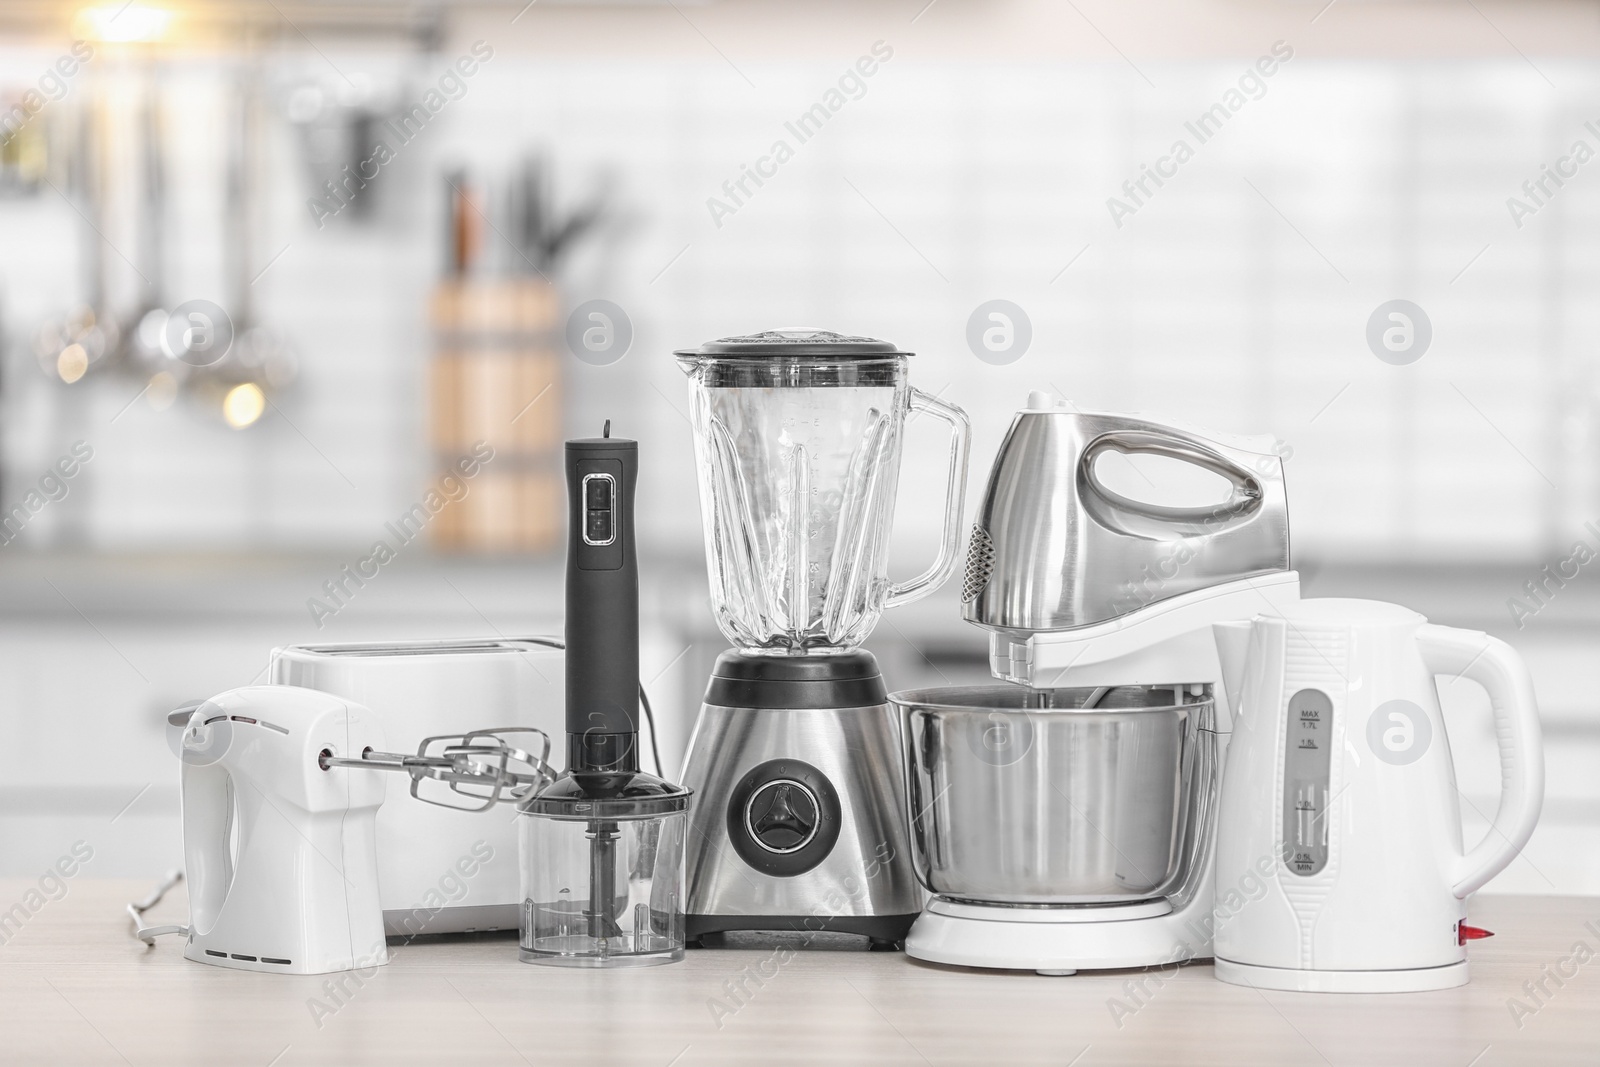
{"x":1306,"y":756}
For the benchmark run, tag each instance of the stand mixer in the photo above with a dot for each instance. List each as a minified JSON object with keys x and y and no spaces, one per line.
{"x":1070,"y":824}
{"x":798,"y":820}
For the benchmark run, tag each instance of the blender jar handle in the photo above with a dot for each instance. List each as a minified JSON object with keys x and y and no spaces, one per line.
{"x":1496,"y":666}
{"x":955,"y":497}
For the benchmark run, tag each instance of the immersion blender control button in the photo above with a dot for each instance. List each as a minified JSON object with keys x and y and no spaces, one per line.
{"x":599,"y":516}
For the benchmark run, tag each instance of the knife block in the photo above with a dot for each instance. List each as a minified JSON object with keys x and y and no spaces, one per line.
{"x":496,"y":378}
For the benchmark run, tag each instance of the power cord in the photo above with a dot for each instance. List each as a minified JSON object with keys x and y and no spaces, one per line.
{"x":650,"y":717}
{"x":136,"y":910}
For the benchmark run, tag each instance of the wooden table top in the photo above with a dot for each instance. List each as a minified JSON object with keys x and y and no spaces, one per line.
{"x":77,"y":988}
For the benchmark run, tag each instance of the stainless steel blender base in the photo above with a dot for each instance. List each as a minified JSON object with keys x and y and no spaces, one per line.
{"x":798,"y":824}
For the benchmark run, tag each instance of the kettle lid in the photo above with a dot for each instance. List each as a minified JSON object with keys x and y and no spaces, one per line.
{"x":805,"y":342}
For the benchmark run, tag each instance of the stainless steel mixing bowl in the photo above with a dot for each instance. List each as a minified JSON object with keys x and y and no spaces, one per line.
{"x":1056,"y":796}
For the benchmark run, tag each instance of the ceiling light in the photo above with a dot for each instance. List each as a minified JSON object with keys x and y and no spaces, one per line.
{"x":125,"y":23}
{"x":243,"y":405}
{"x":72,"y":363}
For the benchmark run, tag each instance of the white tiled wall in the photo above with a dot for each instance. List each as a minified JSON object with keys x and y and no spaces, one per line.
{"x":1237,"y":297}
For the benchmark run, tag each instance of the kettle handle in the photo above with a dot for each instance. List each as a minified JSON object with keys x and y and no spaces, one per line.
{"x":1247,"y":490}
{"x":1496,"y":666}
{"x":954,"y":500}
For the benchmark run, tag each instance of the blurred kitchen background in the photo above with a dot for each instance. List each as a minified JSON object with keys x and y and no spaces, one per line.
{"x":389,"y":310}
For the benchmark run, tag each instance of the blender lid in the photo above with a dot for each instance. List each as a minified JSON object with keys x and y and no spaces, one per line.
{"x":805,"y":342}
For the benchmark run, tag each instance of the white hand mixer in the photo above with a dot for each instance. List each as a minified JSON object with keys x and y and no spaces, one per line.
{"x":278,"y":823}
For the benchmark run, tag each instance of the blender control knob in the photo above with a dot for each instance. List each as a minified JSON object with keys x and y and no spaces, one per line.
{"x":784,"y":817}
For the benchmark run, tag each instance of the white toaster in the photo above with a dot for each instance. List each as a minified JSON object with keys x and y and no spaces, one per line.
{"x":441,"y":871}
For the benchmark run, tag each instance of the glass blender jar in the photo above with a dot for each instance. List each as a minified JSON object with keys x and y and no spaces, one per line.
{"x":795,"y":761}
{"x":797,"y":439}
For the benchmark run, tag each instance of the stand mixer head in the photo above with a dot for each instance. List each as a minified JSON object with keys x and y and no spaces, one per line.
{"x":1055,"y":549}
{"x":1082,"y":586}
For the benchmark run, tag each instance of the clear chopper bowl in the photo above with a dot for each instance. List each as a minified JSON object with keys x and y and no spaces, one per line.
{"x":798,"y":436}
{"x":602,"y":881}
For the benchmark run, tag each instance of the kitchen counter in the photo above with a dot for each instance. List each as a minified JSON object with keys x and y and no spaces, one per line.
{"x":76,"y":988}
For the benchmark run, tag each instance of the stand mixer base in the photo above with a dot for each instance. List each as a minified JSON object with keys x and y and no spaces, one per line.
{"x":1057,"y":942}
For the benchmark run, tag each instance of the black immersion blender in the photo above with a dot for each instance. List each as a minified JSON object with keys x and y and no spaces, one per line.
{"x":620,"y":806}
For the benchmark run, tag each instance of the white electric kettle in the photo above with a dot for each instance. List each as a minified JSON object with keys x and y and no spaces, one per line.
{"x":1339,"y":860}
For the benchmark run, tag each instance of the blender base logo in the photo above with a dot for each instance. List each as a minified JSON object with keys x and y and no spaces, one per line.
{"x":999,"y":332}
{"x":1399,"y":732}
{"x":1399,"y":332}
